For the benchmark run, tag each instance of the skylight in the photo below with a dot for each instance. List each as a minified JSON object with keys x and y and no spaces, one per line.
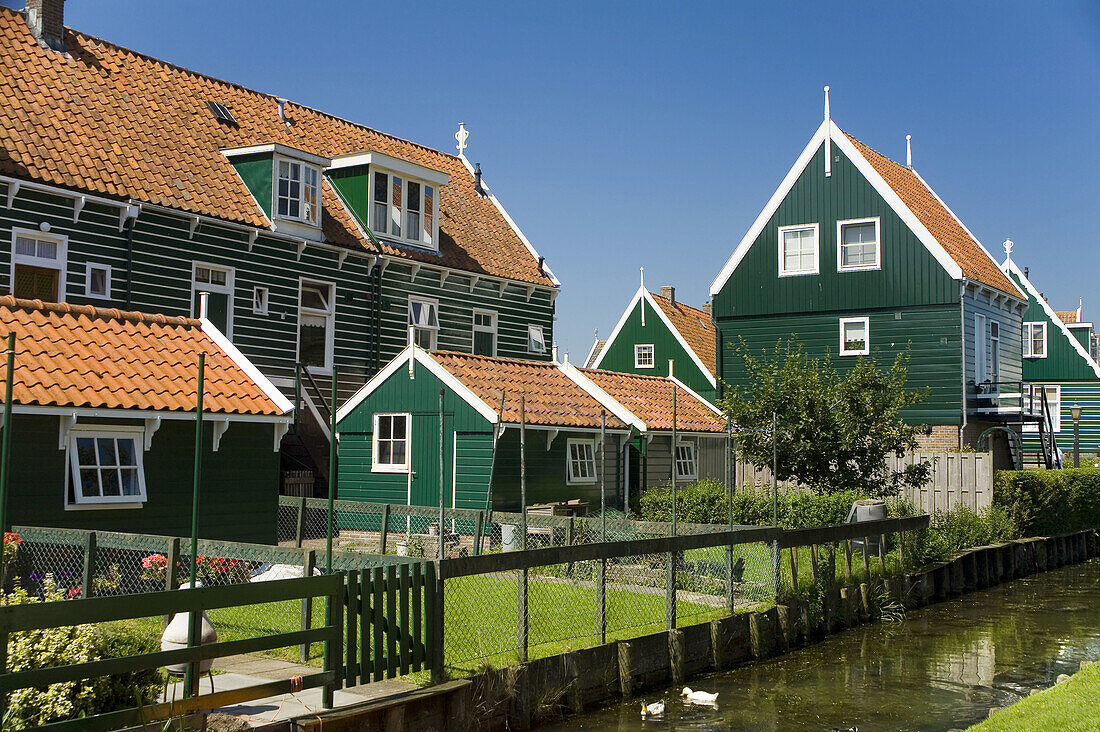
{"x":221,"y":113}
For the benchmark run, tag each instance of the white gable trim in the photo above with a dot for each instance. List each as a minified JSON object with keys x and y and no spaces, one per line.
{"x":1010,"y":267}
{"x":612,"y":404}
{"x":701,"y":400}
{"x":595,"y":345}
{"x":269,"y":389}
{"x":769,"y":209}
{"x":425,"y":359}
{"x":619,"y":326}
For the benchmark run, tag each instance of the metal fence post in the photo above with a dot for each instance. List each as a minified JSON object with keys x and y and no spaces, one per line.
{"x":301,"y":527}
{"x":5,"y":449}
{"x":521,"y":588}
{"x":601,"y":602}
{"x":172,"y":575}
{"x":435,"y":632}
{"x":194,"y":634}
{"x":479,"y":530}
{"x":89,"y":564}
{"x":309,"y":561}
{"x":384,"y":529}
{"x":670,"y":590}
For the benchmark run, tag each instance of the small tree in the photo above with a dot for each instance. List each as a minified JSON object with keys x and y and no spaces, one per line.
{"x":834,"y":430}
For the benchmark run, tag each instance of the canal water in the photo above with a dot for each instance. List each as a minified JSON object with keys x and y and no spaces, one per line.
{"x":942,"y":668}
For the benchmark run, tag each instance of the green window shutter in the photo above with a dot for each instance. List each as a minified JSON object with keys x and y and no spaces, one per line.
{"x":483,"y":343}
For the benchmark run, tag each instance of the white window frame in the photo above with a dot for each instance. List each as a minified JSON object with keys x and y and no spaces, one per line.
{"x":1029,"y":331}
{"x":639,"y":352}
{"x":866,"y":350}
{"x":484,"y":328}
{"x":840,"y":245}
{"x":72,"y":467}
{"x":377,"y":467}
{"x":432,"y":330}
{"x":590,"y":458}
{"x":402,"y":212}
{"x":61,"y":263}
{"x":88,"y":281}
{"x":817,"y":250}
{"x":692,"y":460}
{"x":261,"y":300}
{"x":330,"y":328}
{"x":226,"y":289}
{"x":314,"y":208}
{"x":1056,"y":411}
{"x":533,"y":329}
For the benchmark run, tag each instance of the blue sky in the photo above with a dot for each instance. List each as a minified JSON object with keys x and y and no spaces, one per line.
{"x":632,"y":134}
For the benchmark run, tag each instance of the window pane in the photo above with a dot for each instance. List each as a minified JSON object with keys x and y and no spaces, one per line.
{"x":385,"y":452}
{"x":395,"y":217}
{"x":47,"y":249}
{"x":398,"y":457}
{"x":858,"y":233}
{"x":429,"y":208}
{"x":415,"y":307}
{"x":313,"y":298}
{"x":126,"y":452}
{"x":855,"y":336}
{"x":130,"y":485}
{"x":25,"y":246}
{"x":414,"y":196}
{"x":385,"y":428}
{"x":380,"y":210}
{"x":433,"y":315}
{"x":85,"y":450}
{"x":399,"y":426}
{"x":112,"y":486}
{"x":98,"y":282}
{"x":107,"y":454}
{"x":89,"y":482}
{"x":312,"y":340}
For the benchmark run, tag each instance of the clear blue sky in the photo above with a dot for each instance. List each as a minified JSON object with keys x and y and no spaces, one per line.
{"x":627,"y":134}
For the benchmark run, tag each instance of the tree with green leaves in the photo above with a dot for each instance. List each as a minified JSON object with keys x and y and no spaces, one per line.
{"x":834,"y":429}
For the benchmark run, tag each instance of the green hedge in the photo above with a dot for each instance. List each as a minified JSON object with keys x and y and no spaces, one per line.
{"x":1049,"y":502}
{"x":706,"y":502}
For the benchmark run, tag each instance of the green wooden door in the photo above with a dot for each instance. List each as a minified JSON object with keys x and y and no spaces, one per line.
{"x":217,"y":309}
{"x":424,"y":459}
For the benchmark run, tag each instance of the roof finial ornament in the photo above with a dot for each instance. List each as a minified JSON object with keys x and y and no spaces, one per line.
{"x":461,"y":136}
{"x":828,"y":137}
{"x":908,"y":151}
{"x":641,"y":274}
{"x":1008,"y":249}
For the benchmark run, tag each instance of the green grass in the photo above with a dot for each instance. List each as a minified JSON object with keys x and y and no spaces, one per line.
{"x":1071,"y":705}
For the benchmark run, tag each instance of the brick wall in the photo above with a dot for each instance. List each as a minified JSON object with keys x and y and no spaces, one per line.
{"x":944,"y":437}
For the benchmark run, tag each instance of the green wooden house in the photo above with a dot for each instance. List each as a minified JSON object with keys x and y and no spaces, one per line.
{"x":1058,"y":360}
{"x":390,"y":431}
{"x":317,"y":241}
{"x":103,"y":425}
{"x":855,"y":255}
{"x":656,"y":331}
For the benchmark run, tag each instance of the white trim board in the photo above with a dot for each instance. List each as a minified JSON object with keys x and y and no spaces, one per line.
{"x":269,"y":389}
{"x":610,"y":403}
{"x":1010,"y":267}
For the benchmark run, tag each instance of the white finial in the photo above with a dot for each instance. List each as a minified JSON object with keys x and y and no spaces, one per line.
{"x":1008,"y":248}
{"x":641,"y":276}
{"x":461,"y":136}
{"x":554,"y":353}
{"x":826,"y":103}
{"x":908,"y":151}
{"x":828,"y":138}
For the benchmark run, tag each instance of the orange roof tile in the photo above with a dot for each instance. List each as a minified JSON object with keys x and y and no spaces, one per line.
{"x":695,"y":326}
{"x":1066,"y":316}
{"x":111,"y":121}
{"x":550,"y":397}
{"x":82,"y":356}
{"x":968,"y":253}
{"x":650,"y":399}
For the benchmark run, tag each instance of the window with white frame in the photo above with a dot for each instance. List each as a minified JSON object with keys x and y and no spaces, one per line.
{"x":404,"y":209}
{"x":97,"y":281}
{"x":581,"y":464}
{"x":105,"y":466}
{"x":485,"y":333}
{"x":297,"y":191}
{"x":1035,"y":340}
{"x":38,"y":266}
{"x":217,"y":284}
{"x":855,"y":336}
{"x":686,"y":468}
{"x":535,"y":341}
{"x":857,"y":244}
{"x":424,"y":318}
{"x":643,"y":355}
{"x":798,"y":249}
{"x":259,"y":300}
{"x":994,"y":351}
{"x":1034,"y":393}
{"x":316,"y":318}
{"x":390,"y":451}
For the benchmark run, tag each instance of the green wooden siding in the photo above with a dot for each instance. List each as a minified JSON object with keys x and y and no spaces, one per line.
{"x":1085,"y":394}
{"x":1008,"y":318}
{"x":236,"y":503}
{"x":909,"y":276}
{"x":353,"y":186}
{"x":256,"y":171}
{"x":1063,"y":362}
{"x":933,"y":332}
{"x":472,"y":469}
{"x":619,"y":353}
{"x":547,"y":476}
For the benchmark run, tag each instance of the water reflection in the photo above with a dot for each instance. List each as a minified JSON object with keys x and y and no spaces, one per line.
{"x":941,"y":669}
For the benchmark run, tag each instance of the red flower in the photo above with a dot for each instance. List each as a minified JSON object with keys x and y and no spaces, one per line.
{"x":75,"y":592}
{"x":10,"y":537}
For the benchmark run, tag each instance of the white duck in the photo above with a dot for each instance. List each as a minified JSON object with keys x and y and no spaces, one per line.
{"x":655,"y":709}
{"x":699,"y":697}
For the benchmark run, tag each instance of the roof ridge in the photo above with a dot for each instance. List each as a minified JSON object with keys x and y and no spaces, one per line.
{"x":623,"y":374}
{"x":677,"y":303}
{"x":63,"y":308}
{"x":219,"y":80}
{"x":502,"y":359}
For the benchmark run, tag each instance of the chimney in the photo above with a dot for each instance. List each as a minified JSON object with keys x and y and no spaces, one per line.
{"x":707,"y":308}
{"x":46,"y":19}
{"x":668,"y":292}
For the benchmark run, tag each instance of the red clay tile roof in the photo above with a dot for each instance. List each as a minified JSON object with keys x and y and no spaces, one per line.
{"x":975,"y":263}
{"x":1066,"y":316}
{"x":650,"y":399}
{"x":115,"y":122}
{"x":550,"y":397}
{"x":695,"y":326}
{"x":82,"y":356}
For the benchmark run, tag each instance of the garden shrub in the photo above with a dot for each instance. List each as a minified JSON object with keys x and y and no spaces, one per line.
{"x":69,"y":645}
{"x":1048,"y":502}
{"x":953,"y":531}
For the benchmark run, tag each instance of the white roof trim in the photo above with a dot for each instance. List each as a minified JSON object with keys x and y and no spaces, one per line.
{"x":534,"y":253}
{"x":609,"y":402}
{"x":592,"y":350}
{"x":245,"y":365}
{"x":769,"y":209}
{"x":644,"y":294}
{"x":127,"y":413}
{"x":691,"y":391}
{"x":279,"y":149}
{"x":425,"y":359}
{"x":397,"y":165}
{"x":1010,"y":266}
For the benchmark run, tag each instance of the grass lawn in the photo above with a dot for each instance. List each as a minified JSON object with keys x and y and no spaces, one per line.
{"x":1071,"y":705}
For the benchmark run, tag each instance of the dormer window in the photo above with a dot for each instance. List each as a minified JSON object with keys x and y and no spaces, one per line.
{"x":403,"y":209}
{"x":297,"y":191}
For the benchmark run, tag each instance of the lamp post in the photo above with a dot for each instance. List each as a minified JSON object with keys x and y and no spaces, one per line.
{"x":1075,"y":412}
